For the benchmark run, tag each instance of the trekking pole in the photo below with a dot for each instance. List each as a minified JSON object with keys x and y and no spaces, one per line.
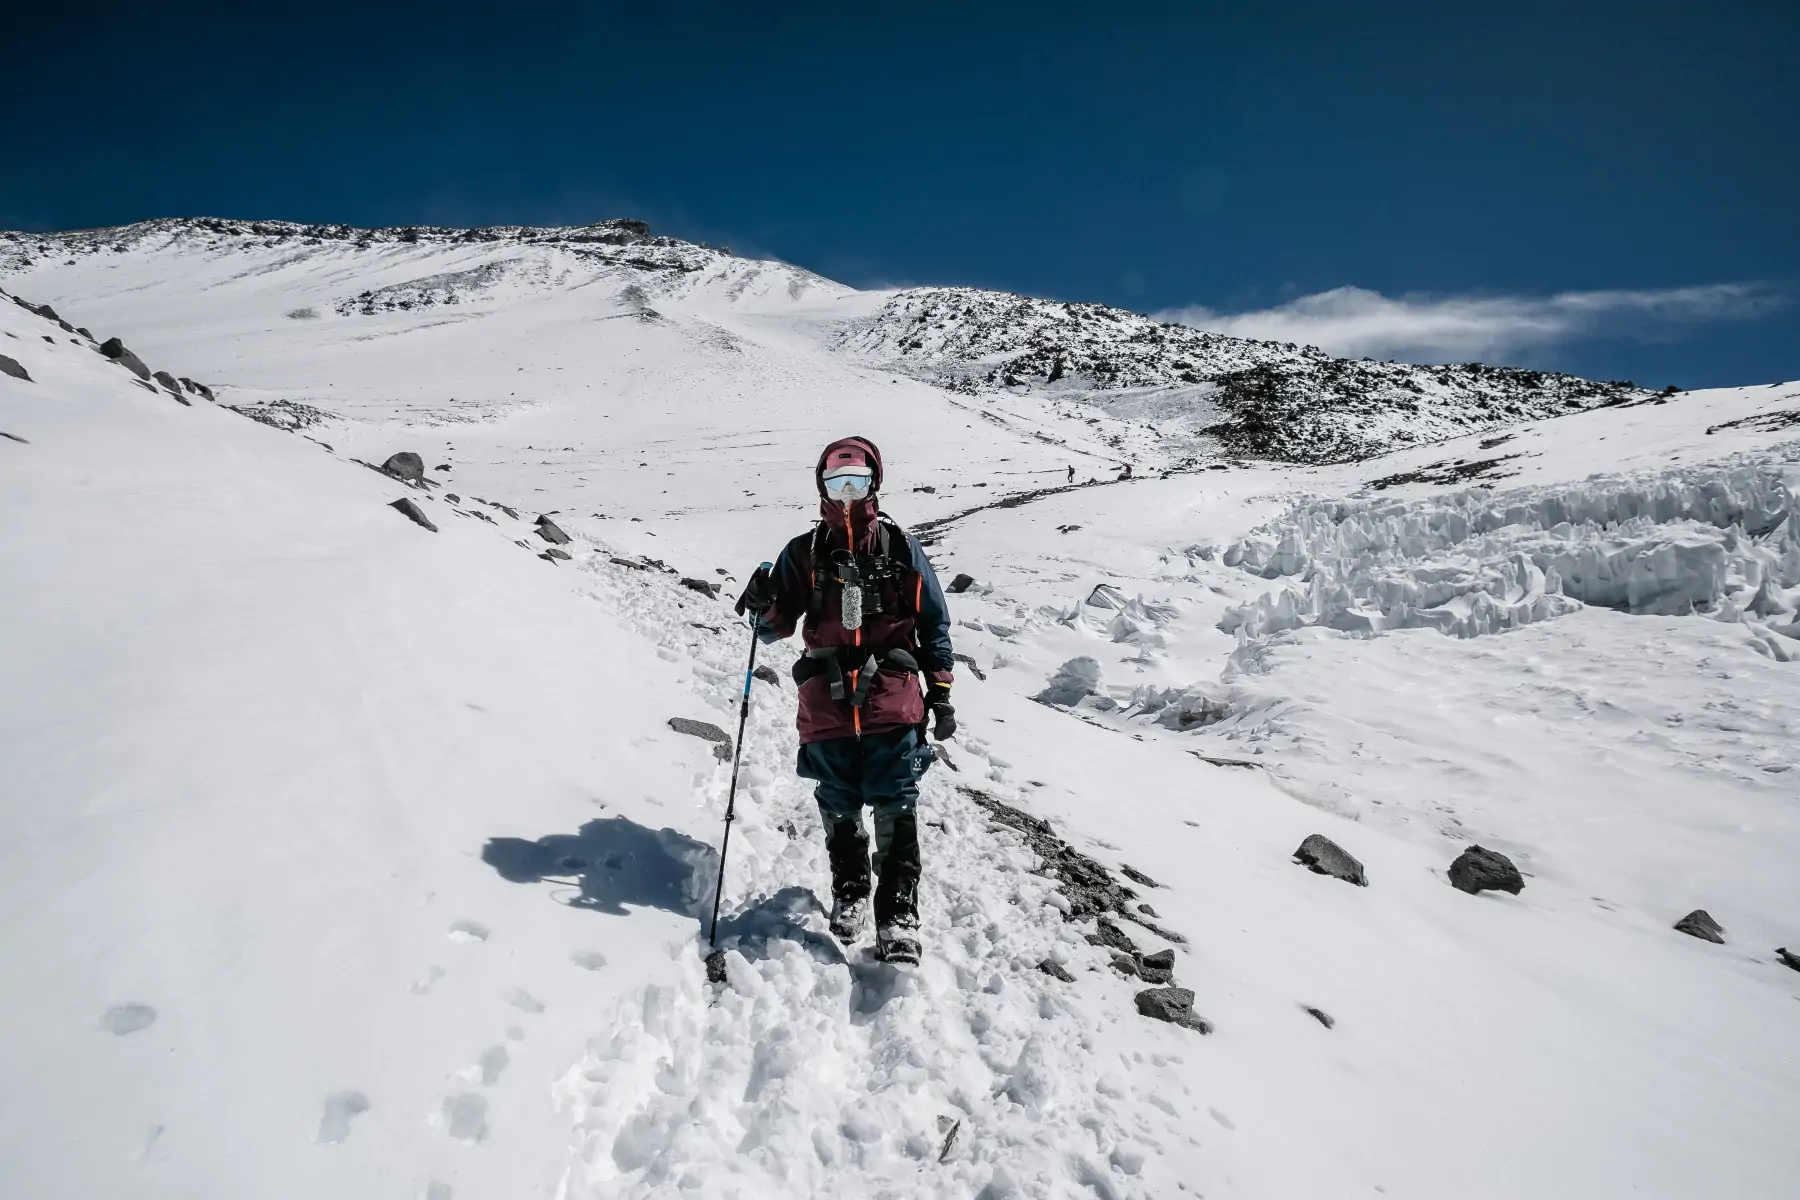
{"x":712,"y":936}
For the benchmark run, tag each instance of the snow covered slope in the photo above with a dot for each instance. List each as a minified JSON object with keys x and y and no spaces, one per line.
{"x":351,"y":857}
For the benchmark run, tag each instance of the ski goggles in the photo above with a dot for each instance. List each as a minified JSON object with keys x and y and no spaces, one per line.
{"x":849,"y":483}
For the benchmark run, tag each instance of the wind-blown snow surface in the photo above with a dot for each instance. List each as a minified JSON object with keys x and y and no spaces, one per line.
{"x":344,"y":857}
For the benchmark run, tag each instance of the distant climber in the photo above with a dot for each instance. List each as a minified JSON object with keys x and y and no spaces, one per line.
{"x":1126,"y":473}
{"x":875,"y":626}
{"x":1071,"y":472}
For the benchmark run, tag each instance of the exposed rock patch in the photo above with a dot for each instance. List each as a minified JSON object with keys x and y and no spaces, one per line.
{"x":114,"y":349}
{"x":1700,"y":924}
{"x":706,"y":731}
{"x":413,"y":513}
{"x":551,"y":532}
{"x":405,"y":466}
{"x":1481,"y":870}
{"x":1172,"y":1004}
{"x":1323,"y":856}
{"x":11,"y":366}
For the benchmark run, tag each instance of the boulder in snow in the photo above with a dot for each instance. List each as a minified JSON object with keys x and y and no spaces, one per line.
{"x":768,"y":675}
{"x":1172,"y":1004}
{"x":554,"y":553}
{"x":173,"y":388}
{"x":705,"y":730}
{"x":1481,"y":870}
{"x":10,"y":366}
{"x":702,"y":586}
{"x":1700,"y":924}
{"x":551,"y":532}
{"x":405,"y":465}
{"x":1055,"y":970}
{"x":960,"y":584}
{"x":1788,"y":957}
{"x":1320,"y":1015}
{"x":1323,"y":856}
{"x":414,"y":513}
{"x":1136,"y":876}
{"x":114,"y":349}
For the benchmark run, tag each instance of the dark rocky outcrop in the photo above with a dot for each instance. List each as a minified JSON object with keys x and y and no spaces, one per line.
{"x":1481,"y":870}
{"x":114,"y":349}
{"x":405,"y":466}
{"x":1172,"y":1004}
{"x":1788,"y":957}
{"x":551,"y":532}
{"x":960,"y":584}
{"x":1700,"y":924}
{"x":11,"y":366}
{"x":413,"y":513}
{"x":1323,"y":856}
{"x":706,"y":731}
{"x":710,"y":590}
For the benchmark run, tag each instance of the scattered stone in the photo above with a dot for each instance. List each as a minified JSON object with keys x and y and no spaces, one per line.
{"x":1084,"y":883}
{"x":1481,"y":870}
{"x":14,"y":437}
{"x":1172,"y":1004}
{"x":715,"y":967}
{"x":1146,"y":910}
{"x":1320,"y":1015}
{"x":1788,"y":957}
{"x":46,"y":312}
{"x":1108,"y":934}
{"x":84,"y":333}
{"x":1055,"y":970}
{"x":969,"y":662}
{"x":710,"y":590}
{"x":706,"y":731}
{"x":768,"y":675}
{"x":10,"y":366}
{"x":551,"y":532}
{"x":441,"y":467}
{"x":173,"y":388}
{"x":1126,"y":964}
{"x":1323,"y":856}
{"x":554,"y":553}
{"x":114,"y":349}
{"x":405,"y":465}
{"x":453,"y":498}
{"x":201,"y":388}
{"x":626,"y":562}
{"x":66,"y":327}
{"x":960,"y":584}
{"x":1700,"y":924}
{"x":414,"y":513}
{"x":1136,"y":876}
{"x":1157,"y":968}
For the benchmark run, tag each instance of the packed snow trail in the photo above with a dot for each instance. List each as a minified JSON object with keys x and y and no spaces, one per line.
{"x":815,"y":1074}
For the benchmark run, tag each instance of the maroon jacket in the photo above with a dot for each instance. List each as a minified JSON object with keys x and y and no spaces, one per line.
{"x":914,"y":616}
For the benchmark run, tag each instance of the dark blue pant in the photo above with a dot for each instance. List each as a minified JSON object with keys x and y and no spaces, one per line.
{"x":881,"y":770}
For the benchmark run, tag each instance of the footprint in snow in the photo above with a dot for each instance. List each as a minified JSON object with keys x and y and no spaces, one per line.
{"x":465,"y":1117}
{"x":122,"y":1019}
{"x":340,"y":1109}
{"x":422,"y":986}
{"x":488,"y":1067}
{"x":468,"y":931}
{"x":524,"y":1001}
{"x":589,"y":960}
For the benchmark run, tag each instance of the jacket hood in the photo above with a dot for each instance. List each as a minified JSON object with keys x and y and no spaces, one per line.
{"x":856,"y":451}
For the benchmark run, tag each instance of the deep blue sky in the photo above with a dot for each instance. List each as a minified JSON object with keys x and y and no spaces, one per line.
{"x":1232,"y":156}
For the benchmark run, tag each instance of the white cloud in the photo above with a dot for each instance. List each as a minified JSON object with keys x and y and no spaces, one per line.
{"x":1353,"y":322}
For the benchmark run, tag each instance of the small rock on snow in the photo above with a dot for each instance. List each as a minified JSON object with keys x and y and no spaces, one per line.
{"x":1172,"y":1004}
{"x":1479,"y":870}
{"x":1323,"y":856}
{"x":1788,"y":957}
{"x":1136,"y":876}
{"x":114,"y":349}
{"x":405,"y":465}
{"x":705,"y":730}
{"x":1055,"y":970}
{"x":1700,"y":924}
{"x":413,"y":513}
{"x":1321,"y":1016}
{"x":960,"y":584}
{"x":551,"y":532}
{"x":553,"y":552}
{"x":701,"y":586}
{"x":10,"y":366}
{"x":768,"y":675}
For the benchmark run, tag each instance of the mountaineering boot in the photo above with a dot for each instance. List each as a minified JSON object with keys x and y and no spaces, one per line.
{"x":848,"y":848}
{"x":897,"y":894}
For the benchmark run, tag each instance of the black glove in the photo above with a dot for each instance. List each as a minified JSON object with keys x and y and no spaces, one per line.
{"x":937,"y":698}
{"x":759,"y":593}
